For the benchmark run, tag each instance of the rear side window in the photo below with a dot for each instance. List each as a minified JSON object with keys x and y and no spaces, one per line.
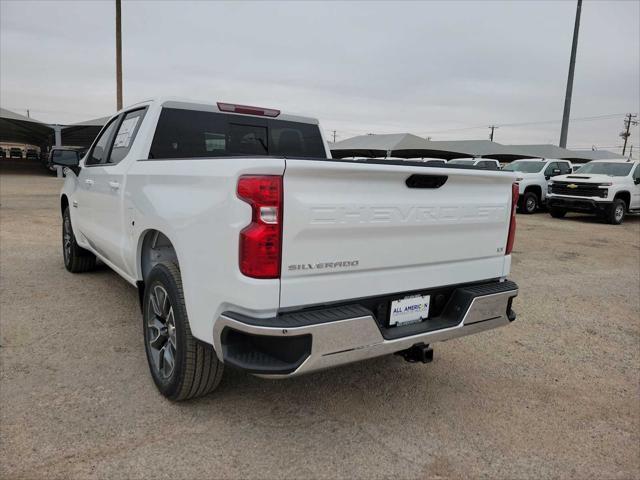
{"x":184,"y":133}
{"x":125,"y":135}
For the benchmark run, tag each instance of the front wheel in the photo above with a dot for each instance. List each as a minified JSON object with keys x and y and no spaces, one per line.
{"x":181,"y":366}
{"x":76,"y":258}
{"x":529,"y":203}
{"x":615,"y":216}
{"x":556,"y":212}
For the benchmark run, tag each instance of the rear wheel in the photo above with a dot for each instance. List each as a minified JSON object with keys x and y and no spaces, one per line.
{"x":529,"y":203}
{"x":556,"y":212}
{"x":181,"y":366}
{"x":615,"y":216}
{"x":76,"y":258}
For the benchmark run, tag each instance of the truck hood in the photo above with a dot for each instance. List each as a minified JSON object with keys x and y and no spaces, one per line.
{"x":586,"y":178}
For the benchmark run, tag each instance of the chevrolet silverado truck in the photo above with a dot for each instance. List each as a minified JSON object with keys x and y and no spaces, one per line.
{"x":533,"y":177}
{"x":607,"y":188}
{"x":250,"y":247}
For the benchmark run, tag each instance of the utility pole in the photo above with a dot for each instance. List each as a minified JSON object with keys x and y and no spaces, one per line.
{"x":118,"y":56}
{"x":334,"y":136}
{"x":628,"y":121}
{"x":492,"y":127}
{"x":28,"y":114}
{"x":572,"y":67}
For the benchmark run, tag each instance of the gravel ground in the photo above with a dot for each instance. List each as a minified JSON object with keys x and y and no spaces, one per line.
{"x":554,"y":395}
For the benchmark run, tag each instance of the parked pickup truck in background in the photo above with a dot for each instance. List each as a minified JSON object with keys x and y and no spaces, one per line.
{"x":607,"y":188}
{"x":251,"y":248}
{"x":485,"y":163}
{"x":533,"y":178}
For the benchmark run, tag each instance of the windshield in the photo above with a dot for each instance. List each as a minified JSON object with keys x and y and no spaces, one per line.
{"x":524,"y":167}
{"x":617,"y":169}
{"x":462,"y":162}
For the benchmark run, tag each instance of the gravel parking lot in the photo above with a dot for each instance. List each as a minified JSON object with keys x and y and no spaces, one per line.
{"x":554,"y":395}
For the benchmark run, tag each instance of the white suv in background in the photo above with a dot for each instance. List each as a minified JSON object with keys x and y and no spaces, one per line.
{"x":484,"y":163}
{"x":608,"y":188}
{"x":533,"y":177}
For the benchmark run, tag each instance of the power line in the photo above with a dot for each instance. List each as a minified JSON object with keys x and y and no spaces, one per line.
{"x":538,"y":122}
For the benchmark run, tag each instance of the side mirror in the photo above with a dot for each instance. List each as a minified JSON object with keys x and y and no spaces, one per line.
{"x":636,"y":181}
{"x":70,"y":159}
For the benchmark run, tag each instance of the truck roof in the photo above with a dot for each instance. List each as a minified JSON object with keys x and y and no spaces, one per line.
{"x":225,"y":107}
{"x":614,"y":160}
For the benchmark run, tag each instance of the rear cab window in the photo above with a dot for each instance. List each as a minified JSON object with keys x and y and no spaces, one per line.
{"x":184,"y":133}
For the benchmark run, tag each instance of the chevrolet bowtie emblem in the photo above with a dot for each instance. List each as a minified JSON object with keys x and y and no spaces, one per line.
{"x":572,"y":185}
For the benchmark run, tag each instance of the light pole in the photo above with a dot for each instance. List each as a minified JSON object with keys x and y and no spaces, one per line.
{"x":572,"y":67}
{"x":118,"y":56}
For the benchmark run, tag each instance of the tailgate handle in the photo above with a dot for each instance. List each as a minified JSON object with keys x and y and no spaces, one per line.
{"x":426,"y":181}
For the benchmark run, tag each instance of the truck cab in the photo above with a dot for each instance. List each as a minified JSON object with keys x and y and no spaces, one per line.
{"x":533,"y":177}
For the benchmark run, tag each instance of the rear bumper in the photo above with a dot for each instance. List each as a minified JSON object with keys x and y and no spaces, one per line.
{"x":586,"y":205}
{"x":301,"y":342}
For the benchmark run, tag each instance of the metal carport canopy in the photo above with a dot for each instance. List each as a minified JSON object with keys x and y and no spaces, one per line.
{"x":404,"y":145}
{"x":548,"y":151}
{"x":20,"y":129}
{"x":82,"y":134}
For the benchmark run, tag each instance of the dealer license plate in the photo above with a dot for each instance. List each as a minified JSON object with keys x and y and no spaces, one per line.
{"x":407,"y":310}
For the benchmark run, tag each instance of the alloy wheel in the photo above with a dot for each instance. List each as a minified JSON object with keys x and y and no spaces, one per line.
{"x":619,"y":213}
{"x":66,"y":239}
{"x":161,"y":332}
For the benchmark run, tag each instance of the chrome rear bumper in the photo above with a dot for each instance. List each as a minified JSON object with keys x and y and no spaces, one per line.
{"x":358,"y":337}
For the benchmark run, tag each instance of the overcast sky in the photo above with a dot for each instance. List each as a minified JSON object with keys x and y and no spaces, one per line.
{"x":441,"y":69}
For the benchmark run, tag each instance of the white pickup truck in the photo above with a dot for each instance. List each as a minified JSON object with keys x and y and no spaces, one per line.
{"x":533,"y":177}
{"x":607,"y":188}
{"x":250,"y":248}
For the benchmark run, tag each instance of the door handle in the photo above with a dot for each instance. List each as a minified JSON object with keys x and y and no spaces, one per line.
{"x":114,"y":185}
{"x":88,"y":181}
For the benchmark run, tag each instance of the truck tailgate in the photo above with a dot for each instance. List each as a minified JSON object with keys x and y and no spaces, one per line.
{"x":352,"y":230}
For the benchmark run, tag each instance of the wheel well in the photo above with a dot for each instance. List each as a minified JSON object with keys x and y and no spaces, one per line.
{"x":156,"y":248}
{"x":64,"y":204}
{"x":534,"y":189}
{"x":626,"y":196}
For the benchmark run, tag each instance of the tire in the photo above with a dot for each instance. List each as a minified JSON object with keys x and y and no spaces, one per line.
{"x":530,"y":203}
{"x":181,"y":366}
{"x":76,"y":258}
{"x":615,"y":215}
{"x":557,"y":212}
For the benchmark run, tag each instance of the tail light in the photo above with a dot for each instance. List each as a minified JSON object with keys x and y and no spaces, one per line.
{"x":261,"y":240}
{"x":515,"y":192}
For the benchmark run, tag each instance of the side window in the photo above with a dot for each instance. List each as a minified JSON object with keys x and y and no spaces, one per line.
{"x":636,"y":174}
{"x":488,"y":165}
{"x":126,"y":134}
{"x":100,"y":150}
{"x":564,"y":168}
{"x":550,"y":168}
